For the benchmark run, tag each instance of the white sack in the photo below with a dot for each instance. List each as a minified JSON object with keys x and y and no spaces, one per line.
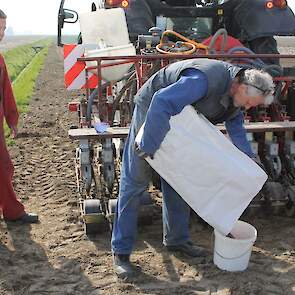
{"x":215,"y":178}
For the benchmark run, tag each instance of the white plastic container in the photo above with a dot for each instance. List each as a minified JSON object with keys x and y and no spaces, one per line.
{"x":108,"y":25}
{"x":112,"y":73}
{"x":233,"y":254}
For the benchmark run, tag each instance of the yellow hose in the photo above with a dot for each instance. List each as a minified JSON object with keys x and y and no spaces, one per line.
{"x":196,"y":44}
{"x":189,"y":51}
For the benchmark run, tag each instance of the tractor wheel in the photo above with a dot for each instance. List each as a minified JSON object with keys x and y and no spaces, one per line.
{"x":112,"y":205}
{"x":94,"y":219}
{"x":275,"y":198}
{"x":290,"y":206}
{"x":265,"y":45}
{"x":290,"y":209}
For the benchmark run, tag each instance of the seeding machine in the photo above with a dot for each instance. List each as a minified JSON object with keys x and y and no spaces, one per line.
{"x":113,"y":75}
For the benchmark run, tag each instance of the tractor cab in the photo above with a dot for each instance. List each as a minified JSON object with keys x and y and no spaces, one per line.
{"x":194,"y":19}
{"x":102,"y":40}
{"x":253,"y":22}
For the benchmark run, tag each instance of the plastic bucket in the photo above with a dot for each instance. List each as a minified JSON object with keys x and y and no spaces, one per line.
{"x":112,"y":73}
{"x":233,"y":254}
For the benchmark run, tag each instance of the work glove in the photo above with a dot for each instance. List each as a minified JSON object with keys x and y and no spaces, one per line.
{"x":101,"y":127}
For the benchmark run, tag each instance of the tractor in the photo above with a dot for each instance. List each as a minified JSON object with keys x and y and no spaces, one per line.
{"x":121,"y":43}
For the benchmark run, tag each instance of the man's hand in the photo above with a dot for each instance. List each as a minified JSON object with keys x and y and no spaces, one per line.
{"x":141,"y":153}
{"x":13,"y":130}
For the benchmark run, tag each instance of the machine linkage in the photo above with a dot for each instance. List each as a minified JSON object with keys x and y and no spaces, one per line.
{"x":99,"y":155}
{"x":97,"y":173}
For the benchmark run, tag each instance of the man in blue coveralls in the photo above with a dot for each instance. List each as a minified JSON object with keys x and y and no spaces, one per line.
{"x":214,"y":88}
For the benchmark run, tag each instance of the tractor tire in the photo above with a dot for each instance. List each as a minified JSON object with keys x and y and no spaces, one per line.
{"x":290,"y":206}
{"x":265,"y":45}
{"x":112,"y":206}
{"x":94,"y":221}
{"x":290,"y":209}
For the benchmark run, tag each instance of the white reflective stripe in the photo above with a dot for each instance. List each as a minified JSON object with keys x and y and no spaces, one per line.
{"x":71,"y":59}
{"x":79,"y":81}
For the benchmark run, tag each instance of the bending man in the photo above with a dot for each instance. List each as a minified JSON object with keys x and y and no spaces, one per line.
{"x":214,"y":88}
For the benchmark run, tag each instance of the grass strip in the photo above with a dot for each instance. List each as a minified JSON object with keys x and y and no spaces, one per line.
{"x":23,"y":85}
{"x":18,"y":58}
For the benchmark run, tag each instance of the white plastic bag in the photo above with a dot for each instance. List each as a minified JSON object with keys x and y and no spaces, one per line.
{"x":215,"y":178}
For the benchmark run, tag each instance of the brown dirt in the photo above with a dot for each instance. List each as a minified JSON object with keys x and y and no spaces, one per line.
{"x":54,"y":257}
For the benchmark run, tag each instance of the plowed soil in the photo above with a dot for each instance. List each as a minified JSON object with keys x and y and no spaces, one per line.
{"x":54,"y":257}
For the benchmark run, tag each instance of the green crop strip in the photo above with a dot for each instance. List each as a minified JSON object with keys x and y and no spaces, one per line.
{"x":18,"y":58}
{"x":24,"y":69}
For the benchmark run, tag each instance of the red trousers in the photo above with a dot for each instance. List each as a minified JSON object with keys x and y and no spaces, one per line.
{"x":10,"y":206}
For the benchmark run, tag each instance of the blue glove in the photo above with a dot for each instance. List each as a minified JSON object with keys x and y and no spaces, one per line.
{"x":101,"y":127}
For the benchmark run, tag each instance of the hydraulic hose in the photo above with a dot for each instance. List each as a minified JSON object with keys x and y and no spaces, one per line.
{"x":186,"y":40}
{"x":257,"y":62}
{"x":274,"y":70}
{"x":191,"y":48}
{"x":218,"y":33}
{"x":89,"y":104}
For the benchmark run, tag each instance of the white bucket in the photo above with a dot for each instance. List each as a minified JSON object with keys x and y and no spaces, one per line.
{"x":233,"y":254}
{"x":112,"y":73}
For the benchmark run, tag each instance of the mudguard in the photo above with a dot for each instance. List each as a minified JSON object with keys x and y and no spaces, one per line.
{"x":255,"y":20}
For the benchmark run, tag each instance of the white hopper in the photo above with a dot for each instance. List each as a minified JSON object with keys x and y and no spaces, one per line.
{"x":113,"y":73}
{"x":107,"y":26}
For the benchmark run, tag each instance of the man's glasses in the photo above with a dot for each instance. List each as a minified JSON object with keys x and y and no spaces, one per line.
{"x":264,"y":91}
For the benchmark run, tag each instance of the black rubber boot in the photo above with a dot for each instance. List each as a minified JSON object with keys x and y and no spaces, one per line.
{"x":26,"y":218}
{"x":123,"y":267}
{"x":189,"y":249}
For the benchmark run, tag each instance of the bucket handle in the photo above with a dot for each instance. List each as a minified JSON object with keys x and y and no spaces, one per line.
{"x":231,"y":258}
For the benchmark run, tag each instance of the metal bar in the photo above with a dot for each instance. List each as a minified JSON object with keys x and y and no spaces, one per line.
{"x":101,"y":99}
{"x":121,"y":132}
{"x":138,"y":70}
{"x":284,"y":79}
{"x":184,"y":56}
{"x":111,"y":64}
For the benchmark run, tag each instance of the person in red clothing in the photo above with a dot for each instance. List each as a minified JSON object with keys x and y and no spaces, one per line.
{"x":12,"y":208}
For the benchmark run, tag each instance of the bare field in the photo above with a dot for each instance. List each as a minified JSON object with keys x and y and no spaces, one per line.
{"x":10,"y":42}
{"x":286,"y":45}
{"x":286,"y":42}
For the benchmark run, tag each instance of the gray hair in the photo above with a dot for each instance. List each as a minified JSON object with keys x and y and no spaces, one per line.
{"x":259,"y":83}
{"x":2,"y":14}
